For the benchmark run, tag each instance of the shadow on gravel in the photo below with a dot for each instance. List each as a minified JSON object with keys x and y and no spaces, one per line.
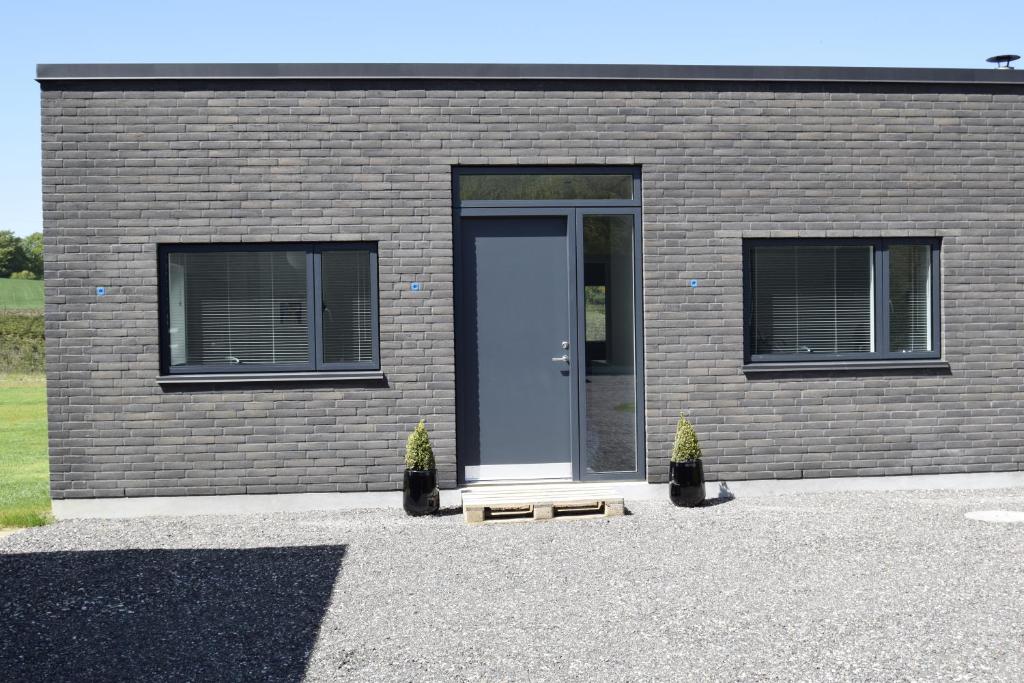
{"x":250,"y":614}
{"x":724,"y":496}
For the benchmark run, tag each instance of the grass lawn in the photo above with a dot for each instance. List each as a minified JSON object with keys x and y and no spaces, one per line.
{"x":21,"y":294}
{"x":24,"y":469}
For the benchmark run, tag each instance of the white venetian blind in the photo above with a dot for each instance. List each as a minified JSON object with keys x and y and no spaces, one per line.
{"x":347,"y":313}
{"x":244,"y":307}
{"x":811,"y":299}
{"x":910,"y":298}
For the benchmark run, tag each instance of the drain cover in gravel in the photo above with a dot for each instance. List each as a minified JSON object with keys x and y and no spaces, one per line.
{"x":1007,"y":516}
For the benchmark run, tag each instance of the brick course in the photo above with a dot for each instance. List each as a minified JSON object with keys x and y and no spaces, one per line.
{"x":130,"y":165}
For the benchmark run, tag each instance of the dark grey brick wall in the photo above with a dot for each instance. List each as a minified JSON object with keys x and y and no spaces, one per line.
{"x":127,"y":166}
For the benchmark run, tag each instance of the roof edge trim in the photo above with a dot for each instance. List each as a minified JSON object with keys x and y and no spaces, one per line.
{"x":559,"y":72}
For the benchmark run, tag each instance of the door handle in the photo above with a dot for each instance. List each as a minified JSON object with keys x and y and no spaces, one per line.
{"x":561,"y":359}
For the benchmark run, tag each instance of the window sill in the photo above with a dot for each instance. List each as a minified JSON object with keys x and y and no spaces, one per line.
{"x":842,"y":366}
{"x":250,"y":377}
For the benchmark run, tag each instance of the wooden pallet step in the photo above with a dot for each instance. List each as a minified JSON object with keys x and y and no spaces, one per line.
{"x":539,"y":502}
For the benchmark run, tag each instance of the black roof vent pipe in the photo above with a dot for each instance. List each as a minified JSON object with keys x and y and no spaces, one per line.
{"x":1003,"y":61}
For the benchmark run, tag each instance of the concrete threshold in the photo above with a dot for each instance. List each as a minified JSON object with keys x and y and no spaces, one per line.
{"x":188,"y":506}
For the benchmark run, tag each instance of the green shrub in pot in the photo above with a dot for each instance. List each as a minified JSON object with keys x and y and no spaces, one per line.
{"x":686,"y":471}
{"x":419,"y":484}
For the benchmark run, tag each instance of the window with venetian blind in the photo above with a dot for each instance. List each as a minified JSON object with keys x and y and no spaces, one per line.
{"x":841,"y":299}
{"x":270,"y":308}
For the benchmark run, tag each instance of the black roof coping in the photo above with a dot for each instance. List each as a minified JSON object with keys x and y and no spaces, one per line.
{"x":559,"y":72}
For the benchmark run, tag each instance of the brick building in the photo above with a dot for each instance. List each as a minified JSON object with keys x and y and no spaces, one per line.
{"x":260,"y":277}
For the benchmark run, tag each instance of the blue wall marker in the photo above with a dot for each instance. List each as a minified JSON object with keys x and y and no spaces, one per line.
{"x":416,"y":286}
{"x":101,"y":291}
{"x":693,"y":283}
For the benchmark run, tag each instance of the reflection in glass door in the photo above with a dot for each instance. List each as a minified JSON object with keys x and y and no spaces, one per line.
{"x":610,"y":438}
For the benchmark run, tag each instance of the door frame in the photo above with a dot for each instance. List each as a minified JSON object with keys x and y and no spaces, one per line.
{"x":573,"y":212}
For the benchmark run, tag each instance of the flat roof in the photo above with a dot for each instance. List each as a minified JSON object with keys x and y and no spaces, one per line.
{"x":556,"y":72}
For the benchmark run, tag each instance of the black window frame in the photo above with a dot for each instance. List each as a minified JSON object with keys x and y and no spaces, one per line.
{"x":880,"y":285}
{"x":313,"y":252}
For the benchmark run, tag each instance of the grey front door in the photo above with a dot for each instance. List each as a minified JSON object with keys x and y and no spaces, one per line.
{"x":515,"y":394}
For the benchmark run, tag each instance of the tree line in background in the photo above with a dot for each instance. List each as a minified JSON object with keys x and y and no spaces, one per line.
{"x":21,"y":257}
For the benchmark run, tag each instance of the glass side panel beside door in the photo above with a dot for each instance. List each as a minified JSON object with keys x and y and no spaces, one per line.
{"x":610,"y":378}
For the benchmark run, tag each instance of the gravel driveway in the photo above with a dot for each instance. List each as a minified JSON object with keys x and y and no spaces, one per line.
{"x":864,"y":586}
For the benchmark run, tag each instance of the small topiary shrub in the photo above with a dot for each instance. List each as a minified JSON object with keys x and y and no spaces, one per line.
{"x":24,"y":275}
{"x":685,"y":447}
{"x":418,"y":453}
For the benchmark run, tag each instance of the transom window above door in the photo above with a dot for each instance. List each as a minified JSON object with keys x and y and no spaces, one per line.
{"x":269,"y":307}
{"x":814,"y":300}
{"x":498,"y":186}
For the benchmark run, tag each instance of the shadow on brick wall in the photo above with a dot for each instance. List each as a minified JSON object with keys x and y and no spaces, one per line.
{"x":282,"y":385}
{"x":847,"y":373}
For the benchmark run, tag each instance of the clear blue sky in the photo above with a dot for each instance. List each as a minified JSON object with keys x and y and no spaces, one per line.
{"x":823,"y":33}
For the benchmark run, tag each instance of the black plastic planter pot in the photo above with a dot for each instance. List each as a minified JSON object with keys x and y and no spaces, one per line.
{"x":420,"y":494}
{"x":686,"y":488}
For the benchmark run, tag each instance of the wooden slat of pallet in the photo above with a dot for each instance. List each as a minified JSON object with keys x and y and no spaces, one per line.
{"x":540,"y":492}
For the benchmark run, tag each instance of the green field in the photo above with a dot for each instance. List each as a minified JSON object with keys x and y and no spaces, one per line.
{"x":21,"y":294}
{"x":24,"y":469}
